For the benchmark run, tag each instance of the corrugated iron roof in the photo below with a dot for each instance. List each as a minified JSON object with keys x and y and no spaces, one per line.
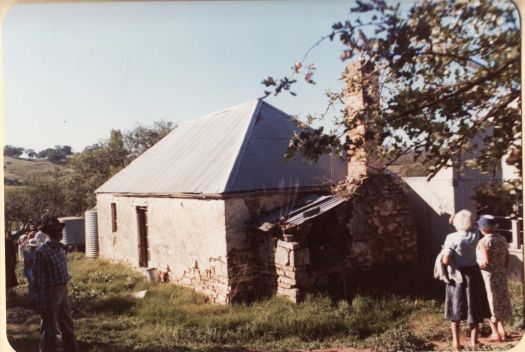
{"x":316,"y":206}
{"x":239,"y":149}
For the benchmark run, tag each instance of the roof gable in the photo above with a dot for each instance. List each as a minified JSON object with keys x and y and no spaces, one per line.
{"x":239,"y":149}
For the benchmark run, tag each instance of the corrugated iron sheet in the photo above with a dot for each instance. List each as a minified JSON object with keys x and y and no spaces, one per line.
{"x":239,"y":149}
{"x":316,"y":206}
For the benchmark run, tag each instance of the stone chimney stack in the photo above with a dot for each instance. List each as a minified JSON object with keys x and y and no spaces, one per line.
{"x":362,"y":91}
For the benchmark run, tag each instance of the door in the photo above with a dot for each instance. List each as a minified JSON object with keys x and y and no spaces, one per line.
{"x":142,"y":226}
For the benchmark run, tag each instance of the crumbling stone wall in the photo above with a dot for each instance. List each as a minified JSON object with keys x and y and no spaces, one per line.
{"x":374,"y":226}
{"x":250,"y":254}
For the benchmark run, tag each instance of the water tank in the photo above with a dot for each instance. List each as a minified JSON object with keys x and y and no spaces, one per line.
{"x":91,"y":233}
{"x":73,"y":234}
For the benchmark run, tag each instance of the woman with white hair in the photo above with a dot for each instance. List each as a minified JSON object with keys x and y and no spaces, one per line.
{"x":465,"y":300}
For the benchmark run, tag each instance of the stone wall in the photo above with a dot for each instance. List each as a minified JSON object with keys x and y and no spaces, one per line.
{"x":187,"y":239}
{"x":214,"y":246}
{"x":382,"y":226}
{"x":250,"y":258}
{"x":374,"y":226}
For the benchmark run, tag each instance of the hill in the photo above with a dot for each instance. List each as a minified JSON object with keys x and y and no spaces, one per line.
{"x":17,"y":170}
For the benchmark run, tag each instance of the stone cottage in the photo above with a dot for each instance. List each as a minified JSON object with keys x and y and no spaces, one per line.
{"x":211,"y":206}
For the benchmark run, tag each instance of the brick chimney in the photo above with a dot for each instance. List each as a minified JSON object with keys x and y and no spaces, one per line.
{"x":362,"y":91}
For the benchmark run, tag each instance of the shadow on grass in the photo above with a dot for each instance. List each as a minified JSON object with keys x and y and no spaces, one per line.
{"x":411,"y":280}
{"x":30,"y":344}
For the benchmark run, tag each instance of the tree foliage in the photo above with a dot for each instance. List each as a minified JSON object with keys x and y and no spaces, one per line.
{"x":141,"y":138}
{"x":56,"y":155}
{"x":24,"y":205}
{"x":71,"y":193}
{"x":10,"y":150}
{"x":449,"y":79}
{"x":97,"y":163}
{"x":91,"y":168}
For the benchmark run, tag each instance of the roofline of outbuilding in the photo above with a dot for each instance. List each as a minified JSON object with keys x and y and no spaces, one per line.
{"x":229,"y":195}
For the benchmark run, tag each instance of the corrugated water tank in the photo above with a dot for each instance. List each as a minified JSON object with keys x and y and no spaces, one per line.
{"x":91,"y":233}
{"x":74,"y":234}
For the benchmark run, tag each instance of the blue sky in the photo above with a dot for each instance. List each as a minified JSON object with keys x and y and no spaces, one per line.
{"x":72,"y":72}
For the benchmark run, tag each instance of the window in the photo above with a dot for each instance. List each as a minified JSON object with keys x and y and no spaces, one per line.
{"x":114,"y":217}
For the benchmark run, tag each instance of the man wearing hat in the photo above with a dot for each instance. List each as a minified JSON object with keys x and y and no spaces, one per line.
{"x":50,"y":280}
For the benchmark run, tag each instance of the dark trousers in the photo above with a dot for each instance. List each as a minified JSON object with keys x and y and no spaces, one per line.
{"x":57,"y":313}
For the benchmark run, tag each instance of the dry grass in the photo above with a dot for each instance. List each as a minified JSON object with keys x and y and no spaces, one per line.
{"x":17,"y":170}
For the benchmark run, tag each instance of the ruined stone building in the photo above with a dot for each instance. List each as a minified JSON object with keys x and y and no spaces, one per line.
{"x":215,"y":205}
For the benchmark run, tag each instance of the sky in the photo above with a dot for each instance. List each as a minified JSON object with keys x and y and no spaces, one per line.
{"x":73,"y":72}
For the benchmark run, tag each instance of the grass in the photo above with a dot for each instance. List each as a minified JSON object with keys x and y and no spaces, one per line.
{"x":17,"y":170}
{"x":396,"y":303}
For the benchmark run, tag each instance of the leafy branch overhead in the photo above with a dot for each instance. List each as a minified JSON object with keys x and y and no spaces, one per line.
{"x":449,"y":80}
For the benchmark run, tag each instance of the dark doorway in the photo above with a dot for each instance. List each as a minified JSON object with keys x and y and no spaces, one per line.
{"x":142,"y":225}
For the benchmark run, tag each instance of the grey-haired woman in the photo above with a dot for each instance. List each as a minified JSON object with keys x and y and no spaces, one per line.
{"x":465,"y":300}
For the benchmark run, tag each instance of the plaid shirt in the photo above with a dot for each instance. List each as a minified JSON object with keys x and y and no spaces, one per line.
{"x":49,"y":269}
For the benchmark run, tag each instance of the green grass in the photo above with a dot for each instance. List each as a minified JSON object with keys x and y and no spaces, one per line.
{"x":400,"y":303}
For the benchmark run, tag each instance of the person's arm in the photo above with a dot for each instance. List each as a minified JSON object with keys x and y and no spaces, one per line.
{"x":484,"y":259}
{"x":447,"y":249}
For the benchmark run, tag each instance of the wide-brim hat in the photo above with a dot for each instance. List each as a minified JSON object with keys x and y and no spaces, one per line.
{"x":32,"y":243}
{"x":485,"y":221}
{"x":52,"y":223}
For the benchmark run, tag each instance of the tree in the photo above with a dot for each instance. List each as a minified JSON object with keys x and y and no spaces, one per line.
{"x":10,"y":150}
{"x":16,"y":208}
{"x":97,"y":163}
{"x":141,"y":138}
{"x":91,"y":168}
{"x":56,"y":155}
{"x":31,"y":153}
{"x":43,"y":153}
{"x":72,"y":193}
{"x":65,"y":149}
{"x":27,"y":204}
{"x":449,"y":81}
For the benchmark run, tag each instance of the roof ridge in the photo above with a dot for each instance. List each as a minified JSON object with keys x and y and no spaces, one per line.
{"x":243,"y":146}
{"x":211,"y":114}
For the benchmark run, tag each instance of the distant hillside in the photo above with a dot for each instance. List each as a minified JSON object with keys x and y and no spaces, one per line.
{"x":17,"y":170}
